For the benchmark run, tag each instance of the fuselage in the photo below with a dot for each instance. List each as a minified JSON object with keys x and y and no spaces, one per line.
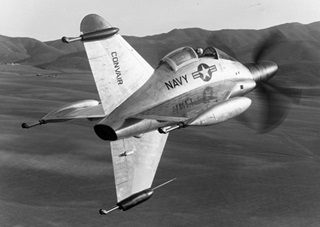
{"x":183,"y":76}
{"x":166,"y":83}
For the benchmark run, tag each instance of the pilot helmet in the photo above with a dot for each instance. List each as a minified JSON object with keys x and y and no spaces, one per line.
{"x":199,"y":51}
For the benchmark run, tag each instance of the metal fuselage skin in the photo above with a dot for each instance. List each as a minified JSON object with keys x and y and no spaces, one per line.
{"x":165,"y":84}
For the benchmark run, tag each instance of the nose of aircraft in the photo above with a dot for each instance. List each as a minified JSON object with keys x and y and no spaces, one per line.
{"x":262,"y":71}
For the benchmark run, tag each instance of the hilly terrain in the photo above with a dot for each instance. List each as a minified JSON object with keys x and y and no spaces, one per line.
{"x":227,"y":174}
{"x":298,"y":42}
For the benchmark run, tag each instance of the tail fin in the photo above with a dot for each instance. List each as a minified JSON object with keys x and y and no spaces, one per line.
{"x":118,"y":70}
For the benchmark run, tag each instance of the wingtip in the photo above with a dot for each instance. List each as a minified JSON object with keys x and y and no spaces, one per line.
{"x":93,"y":22}
{"x":26,"y":126}
{"x":105,"y":212}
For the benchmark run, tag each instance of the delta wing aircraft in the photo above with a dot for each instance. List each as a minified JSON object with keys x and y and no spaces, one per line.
{"x":140,"y":105}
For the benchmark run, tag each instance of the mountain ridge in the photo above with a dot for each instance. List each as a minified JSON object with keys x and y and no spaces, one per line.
{"x":238,"y":43}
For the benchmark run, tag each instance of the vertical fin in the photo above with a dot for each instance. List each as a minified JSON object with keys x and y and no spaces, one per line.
{"x":118,"y":70}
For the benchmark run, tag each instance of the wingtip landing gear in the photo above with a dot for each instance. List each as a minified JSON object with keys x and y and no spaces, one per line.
{"x":134,"y":199}
{"x":25,"y":125}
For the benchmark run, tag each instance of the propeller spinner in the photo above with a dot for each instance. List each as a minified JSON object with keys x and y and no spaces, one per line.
{"x":274,"y":100}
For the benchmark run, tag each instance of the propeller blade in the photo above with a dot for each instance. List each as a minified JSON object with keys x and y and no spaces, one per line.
{"x":267,"y":45}
{"x":271,"y":105}
{"x":276,"y":106}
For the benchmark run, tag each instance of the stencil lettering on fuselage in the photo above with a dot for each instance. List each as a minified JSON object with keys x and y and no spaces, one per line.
{"x":187,"y":103}
{"x":176,"y":82}
{"x":204,"y":72}
{"x":116,"y":65}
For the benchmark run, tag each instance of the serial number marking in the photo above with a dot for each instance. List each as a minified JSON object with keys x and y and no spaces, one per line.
{"x":182,"y":105}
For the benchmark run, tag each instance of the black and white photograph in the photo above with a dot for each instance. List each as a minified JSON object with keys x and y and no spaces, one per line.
{"x":159,"y":113}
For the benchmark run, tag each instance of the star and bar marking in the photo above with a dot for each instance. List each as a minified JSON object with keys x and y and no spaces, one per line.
{"x":204,"y":72}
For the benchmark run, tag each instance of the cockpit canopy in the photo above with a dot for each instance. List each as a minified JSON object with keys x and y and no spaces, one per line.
{"x":186,"y":55}
{"x":180,"y":57}
{"x":216,"y":54}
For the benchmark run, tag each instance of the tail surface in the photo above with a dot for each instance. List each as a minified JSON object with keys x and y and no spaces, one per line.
{"x":118,"y":70}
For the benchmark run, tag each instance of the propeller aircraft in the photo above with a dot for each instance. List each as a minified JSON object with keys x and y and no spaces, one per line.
{"x":140,"y":105}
